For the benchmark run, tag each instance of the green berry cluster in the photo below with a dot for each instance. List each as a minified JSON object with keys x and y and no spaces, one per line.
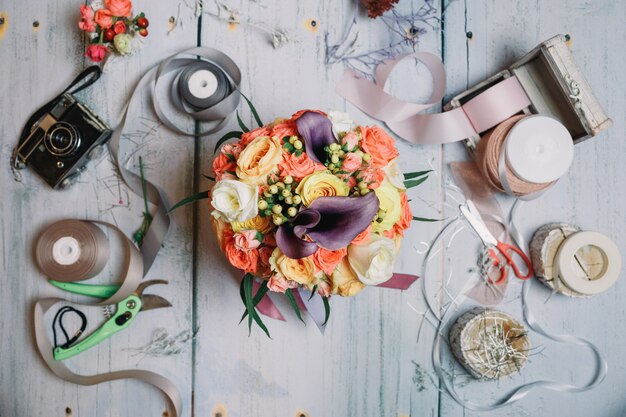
{"x":280,"y":201}
{"x":293,"y":144}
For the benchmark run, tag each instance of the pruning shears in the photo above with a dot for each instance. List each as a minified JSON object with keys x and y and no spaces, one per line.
{"x":125,"y":313}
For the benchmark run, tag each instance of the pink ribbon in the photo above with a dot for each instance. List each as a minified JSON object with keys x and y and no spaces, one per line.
{"x":399,"y":281}
{"x":481,"y":113}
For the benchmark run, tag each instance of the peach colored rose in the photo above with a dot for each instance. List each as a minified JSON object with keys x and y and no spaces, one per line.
{"x":223,"y":232}
{"x":351,"y":162}
{"x":326,"y":260}
{"x":351,"y":139}
{"x":283,"y":129}
{"x":405,"y":219}
{"x":363,"y":237}
{"x":323,"y":289}
{"x":222,"y":164}
{"x":301,"y":112}
{"x":86,"y":22}
{"x":279,"y":283}
{"x":246,"y":240}
{"x":245,"y":260}
{"x":120,"y":8}
{"x":344,"y":281}
{"x":248,"y":137}
{"x":259,"y":159}
{"x":103,"y":18}
{"x":376,"y":142}
{"x":257,"y":223}
{"x":119,"y":27}
{"x":96,"y":52}
{"x":298,"y":166}
{"x":301,"y":271}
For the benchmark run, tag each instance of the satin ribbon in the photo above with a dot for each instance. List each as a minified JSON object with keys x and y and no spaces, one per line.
{"x":315,"y":306}
{"x":133,"y":274}
{"x":479,"y":114}
{"x":523,"y":390}
{"x":216,"y":116}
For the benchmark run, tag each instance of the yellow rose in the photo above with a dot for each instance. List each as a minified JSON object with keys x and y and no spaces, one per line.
{"x":390,"y":209}
{"x":321,"y":184}
{"x":301,"y":271}
{"x":258,"y":160}
{"x":262,"y":224}
{"x":345,"y":281}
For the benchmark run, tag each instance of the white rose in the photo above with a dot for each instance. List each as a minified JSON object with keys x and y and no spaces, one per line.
{"x":341,"y":122}
{"x":234,"y":201}
{"x":394,"y":175}
{"x":373,"y":262}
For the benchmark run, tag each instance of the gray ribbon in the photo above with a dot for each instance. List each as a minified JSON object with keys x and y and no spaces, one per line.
{"x":216,"y":116}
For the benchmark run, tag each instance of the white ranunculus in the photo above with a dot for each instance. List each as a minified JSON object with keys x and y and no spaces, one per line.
{"x":341,"y":122}
{"x":394,"y":175}
{"x":234,"y":200}
{"x":373,"y":262}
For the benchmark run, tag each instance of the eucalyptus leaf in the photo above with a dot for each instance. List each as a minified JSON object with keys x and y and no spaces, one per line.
{"x":200,"y":196}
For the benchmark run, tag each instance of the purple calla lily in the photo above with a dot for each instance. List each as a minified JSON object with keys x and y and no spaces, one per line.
{"x":329,"y":222}
{"x":317,"y":132}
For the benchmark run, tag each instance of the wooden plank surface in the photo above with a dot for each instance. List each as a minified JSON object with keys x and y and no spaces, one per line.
{"x":368,"y":362}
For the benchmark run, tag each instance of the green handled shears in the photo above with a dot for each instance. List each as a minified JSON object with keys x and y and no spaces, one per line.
{"x":125,"y":313}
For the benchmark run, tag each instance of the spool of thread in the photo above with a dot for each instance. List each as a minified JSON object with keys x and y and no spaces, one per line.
{"x":72,"y":250}
{"x":535,"y":150}
{"x":573,"y":262}
{"x":490,"y":344}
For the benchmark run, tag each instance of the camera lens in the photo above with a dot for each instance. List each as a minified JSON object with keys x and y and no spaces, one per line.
{"x":62,"y":139}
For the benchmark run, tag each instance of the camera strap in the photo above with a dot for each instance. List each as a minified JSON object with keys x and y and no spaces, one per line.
{"x":83,"y":80}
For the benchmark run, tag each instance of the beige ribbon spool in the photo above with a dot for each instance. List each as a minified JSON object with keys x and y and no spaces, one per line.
{"x":490,"y":344}
{"x":75,"y":250}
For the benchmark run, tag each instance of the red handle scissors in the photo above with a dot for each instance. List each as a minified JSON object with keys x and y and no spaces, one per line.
{"x":494,"y":247}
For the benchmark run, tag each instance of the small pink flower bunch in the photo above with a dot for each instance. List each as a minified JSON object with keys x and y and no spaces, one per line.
{"x":111,"y":28}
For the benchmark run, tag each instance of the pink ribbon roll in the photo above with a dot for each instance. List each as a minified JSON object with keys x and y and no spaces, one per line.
{"x":482,"y":112}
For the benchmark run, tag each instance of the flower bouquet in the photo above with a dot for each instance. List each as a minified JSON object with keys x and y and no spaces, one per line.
{"x":111,"y":27}
{"x":311,"y":202}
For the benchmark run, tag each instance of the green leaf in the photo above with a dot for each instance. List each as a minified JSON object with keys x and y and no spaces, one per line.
{"x":424,"y":219}
{"x":208,"y":178}
{"x":200,"y":196}
{"x":414,"y":183}
{"x":326,"y":310}
{"x":229,"y":135}
{"x":257,"y":298}
{"x":410,"y":175}
{"x":242,"y":125}
{"x":253,"y":110}
{"x":313,"y":291}
{"x":294,"y":304}
{"x":147,"y":216}
{"x":248,"y":300}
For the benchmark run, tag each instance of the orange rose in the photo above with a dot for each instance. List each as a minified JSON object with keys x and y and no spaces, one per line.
{"x":263,"y":268}
{"x":326,"y":260}
{"x":301,"y":112}
{"x":363,"y":237}
{"x":223,"y":164}
{"x":283,"y":129}
{"x":298,"y":166}
{"x":248,"y":137}
{"x":223,"y":232}
{"x":379,"y":144}
{"x":103,"y":18}
{"x":405,"y":220}
{"x":120,"y":8}
{"x":245,"y":260}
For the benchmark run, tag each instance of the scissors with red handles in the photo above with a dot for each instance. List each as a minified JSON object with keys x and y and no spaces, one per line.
{"x":494,"y":247}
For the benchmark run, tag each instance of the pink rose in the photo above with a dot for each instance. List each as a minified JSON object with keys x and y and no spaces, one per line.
{"x":86,"y":22}
{"x":323,"y":289}
{"x":246,"y":240}
{"x":232,"y":149}
{"x":351,"y":182}
{"x":104,"y":19}
{"x":96,"y":52}
{"x":120,"y":8}
{"x":351,"y":139}
{"x":119,"y":27}
{"x":279,"y":283}
{"x":351,"y":162}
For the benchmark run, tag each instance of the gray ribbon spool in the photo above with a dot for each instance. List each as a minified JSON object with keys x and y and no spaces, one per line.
{"x":221,"y":89}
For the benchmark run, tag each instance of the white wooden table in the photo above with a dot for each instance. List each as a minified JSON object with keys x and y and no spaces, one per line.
{"x":366,"y":363}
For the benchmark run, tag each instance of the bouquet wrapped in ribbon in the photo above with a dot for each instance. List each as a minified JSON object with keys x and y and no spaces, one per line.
{"x":111,"y":26}
{"x":311,"y":202}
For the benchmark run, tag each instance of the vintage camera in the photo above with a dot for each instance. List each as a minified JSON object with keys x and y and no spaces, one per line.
{"x":62,"y":141}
